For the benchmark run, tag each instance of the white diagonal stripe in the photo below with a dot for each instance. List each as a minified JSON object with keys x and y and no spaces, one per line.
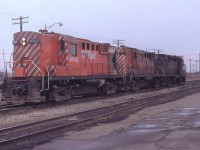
{"x":26,"y":52}
{"x":37,"y":63}
{"x":24,"y":35}
{"x":22,"y":51}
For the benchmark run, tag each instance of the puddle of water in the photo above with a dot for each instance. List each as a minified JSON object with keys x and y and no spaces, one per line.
{"x":144,"y":130}
{"x":197,"y":124}
{"x":173,"y":127}
{"x":146,"y":126}
{"x":189,"y":108}
{"x":163,"y":118}
{"x":184,"y":113}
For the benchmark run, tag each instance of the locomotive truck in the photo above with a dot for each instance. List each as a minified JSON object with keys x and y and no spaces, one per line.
{"x":52,"y":66}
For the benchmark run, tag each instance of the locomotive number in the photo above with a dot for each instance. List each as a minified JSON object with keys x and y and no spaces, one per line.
{"x":33,"y":41}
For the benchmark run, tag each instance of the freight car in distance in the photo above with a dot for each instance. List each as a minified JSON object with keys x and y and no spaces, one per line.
{"x":52,"y":66}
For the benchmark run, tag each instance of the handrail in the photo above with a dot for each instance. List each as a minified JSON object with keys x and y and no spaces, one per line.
{"x":40,"y":71}
{"x":5,"y":69}
{"x":47,"y":73}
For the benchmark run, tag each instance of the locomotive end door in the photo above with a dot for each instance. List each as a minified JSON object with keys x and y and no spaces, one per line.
{"x":121,"y":61}
{"x":112,"y":60}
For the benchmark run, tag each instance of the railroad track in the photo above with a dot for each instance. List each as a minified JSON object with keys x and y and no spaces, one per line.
{"x":9,"y":108}
{"x":5,"y":106}
{"x":27,"y":135}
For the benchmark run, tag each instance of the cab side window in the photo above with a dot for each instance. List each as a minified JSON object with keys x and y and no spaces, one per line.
{"x":83,"y":45}
{"x":135,"y":55}
{"x":88,"y":46}
{"x":73,"y":51}
{"x":62,"y":44}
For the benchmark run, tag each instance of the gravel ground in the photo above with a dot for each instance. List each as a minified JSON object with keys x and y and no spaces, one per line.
{"x":51,"y":112}
{"x":194,"y":77}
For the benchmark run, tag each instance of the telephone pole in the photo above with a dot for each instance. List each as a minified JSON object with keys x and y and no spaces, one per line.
{"x":199,"y":62}
{"x":21,"y":22}
{"x":190,"y":67}
{"x":3,"y":53}
{"x":118,"y":42}
{"x":196,"y":66}
{"x":193,"y":68}
{"x":158,"y":51}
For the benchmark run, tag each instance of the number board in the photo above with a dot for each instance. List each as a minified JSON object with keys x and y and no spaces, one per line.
{"x":33,"y":41}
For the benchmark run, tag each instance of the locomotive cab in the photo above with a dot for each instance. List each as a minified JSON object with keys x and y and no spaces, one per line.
{"x":54,"y":66}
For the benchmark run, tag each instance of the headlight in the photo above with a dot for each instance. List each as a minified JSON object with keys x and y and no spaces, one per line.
{"x":23,"y":41}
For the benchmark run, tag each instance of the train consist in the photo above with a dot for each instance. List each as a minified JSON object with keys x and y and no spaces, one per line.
{"x":52,"y":66}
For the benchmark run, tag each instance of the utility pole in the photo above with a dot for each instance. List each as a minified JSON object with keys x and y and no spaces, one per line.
{"x":118,"y":42}
{"x":199,"y":62}
{"x":193,"y":68}
{"x":158,"y":51}
{"x":21,"y":22}
{"x":196,"y":66}
{"x":190,"y":67}
{"x":3,"y":53}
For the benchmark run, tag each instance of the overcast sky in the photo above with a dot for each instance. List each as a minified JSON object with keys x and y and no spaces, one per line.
{"x":170,"y":25}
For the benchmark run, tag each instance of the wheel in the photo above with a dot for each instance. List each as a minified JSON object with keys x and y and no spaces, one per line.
{"x":111,"y":88}
{"x":156,"y":83}
{"x":135,"y":86}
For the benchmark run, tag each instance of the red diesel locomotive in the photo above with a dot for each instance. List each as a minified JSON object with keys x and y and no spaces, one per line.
{"x":52,"y":66}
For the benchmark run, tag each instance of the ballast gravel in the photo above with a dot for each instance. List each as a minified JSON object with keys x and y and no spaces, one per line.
{"x":39,"y":114}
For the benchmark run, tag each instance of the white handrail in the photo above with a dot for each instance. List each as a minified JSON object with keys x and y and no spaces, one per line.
{"x":40,"y":71}
{"x":47,"y":73}
{"x":5,"y":69}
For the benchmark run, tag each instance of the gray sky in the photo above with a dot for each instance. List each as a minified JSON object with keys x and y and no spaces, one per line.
{"x":171,"y":25}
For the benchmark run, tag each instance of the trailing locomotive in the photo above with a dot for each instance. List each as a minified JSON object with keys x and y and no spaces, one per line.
{"x":52,"y":66}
